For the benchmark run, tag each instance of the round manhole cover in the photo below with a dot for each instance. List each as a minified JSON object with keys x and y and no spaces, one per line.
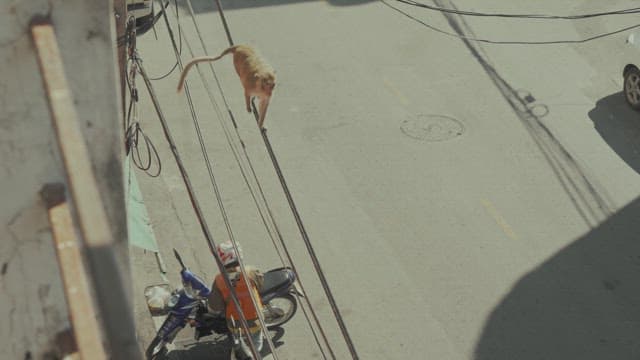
{"x":432,"y":128}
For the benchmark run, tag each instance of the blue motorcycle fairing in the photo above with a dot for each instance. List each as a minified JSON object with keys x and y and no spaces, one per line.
{"x":196,"y":283}
{"x":171,"y":325}
{"x":184,"y":306}
{"x":177,"y":317}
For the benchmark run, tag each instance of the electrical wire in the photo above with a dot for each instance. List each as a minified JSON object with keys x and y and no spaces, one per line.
{"x":129,"y":37}
{"x":232,"y":145}
{"x":316,"y":264}
{"x":143,"y":27}
{"x":175,"y":2}
{"x":138,"y":67}
{"x":235,"y":151}
{"x":133,"y":130}
{"x":194,"y":201}
{"x":570,"y":174}
{"x":132,"y":138}
{"x":522,"y":16}
{"x":258,"y":184}
{"x":488,"y":41}
{"x":218,"y":196}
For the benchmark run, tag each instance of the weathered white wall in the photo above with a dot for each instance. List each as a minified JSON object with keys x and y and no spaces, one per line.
{"x":31,"y":298}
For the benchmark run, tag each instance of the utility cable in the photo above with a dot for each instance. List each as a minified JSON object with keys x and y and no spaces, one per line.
{"x":224,"y":22}
{"x":233,"y":148}
{"x":231,"y":143}
{"x":254,"y":301}
{"x":235,"y":152}
{"x":142,"y":28}
{"x":192,"y":197}
{"x":264,"y":221}
{"x":521,"y":16}
{"x":572,"y":176}
{"x":303,"y":232}
{"x":310,"y":250}
{"x":488,"y":41}
{"x":133,"y":131}
{"x":291,"y":263}
{"x":194,"y":202}
{"x":173,"y":68}
{"x":132,"y":138}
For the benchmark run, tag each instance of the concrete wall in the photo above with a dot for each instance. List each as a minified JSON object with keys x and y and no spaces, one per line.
{"x":33,"y":306}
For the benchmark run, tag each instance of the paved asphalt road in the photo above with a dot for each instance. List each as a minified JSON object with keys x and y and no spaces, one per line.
{"x":466,"y":200}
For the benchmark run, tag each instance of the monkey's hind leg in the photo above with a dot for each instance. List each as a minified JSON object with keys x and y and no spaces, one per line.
{"x":264,"y":104}
{"x":247,"y":99}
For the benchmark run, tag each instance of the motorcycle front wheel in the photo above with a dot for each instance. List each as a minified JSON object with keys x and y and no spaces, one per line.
{"x":279,"y":310}
{"x":157,"y":350}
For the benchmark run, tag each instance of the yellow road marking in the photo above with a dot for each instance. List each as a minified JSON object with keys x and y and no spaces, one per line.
{"x":499,"y":219}
{"x":403,"y":99}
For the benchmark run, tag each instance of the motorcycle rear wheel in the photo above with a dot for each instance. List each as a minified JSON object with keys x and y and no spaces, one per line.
{"x":279,"y":310}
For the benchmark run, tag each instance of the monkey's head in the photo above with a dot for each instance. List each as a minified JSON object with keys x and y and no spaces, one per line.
{"x":267,"y":82}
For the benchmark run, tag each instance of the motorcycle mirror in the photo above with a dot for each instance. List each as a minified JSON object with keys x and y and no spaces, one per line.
{"x":175,"y":252}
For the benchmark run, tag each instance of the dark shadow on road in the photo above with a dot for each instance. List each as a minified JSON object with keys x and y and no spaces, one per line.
{"x":276,"y":338}
{"x":619,"y":126}
{"x":583,"y":303}
{"x":219,"y":348}
{"x":200,"y":6}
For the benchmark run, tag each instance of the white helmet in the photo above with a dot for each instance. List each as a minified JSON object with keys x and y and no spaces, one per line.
{"x":227,"y":253}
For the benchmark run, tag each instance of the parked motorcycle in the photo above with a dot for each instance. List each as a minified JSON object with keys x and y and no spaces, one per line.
{"x":188,"y":305}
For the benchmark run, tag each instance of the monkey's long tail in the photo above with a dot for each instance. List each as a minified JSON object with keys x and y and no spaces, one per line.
{"x":199,"y":59}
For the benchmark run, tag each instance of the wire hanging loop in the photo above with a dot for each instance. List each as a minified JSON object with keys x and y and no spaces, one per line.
{"x":133,"y":130}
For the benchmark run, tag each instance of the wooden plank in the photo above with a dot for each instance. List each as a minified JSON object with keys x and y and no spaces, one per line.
{"x":107,"y":278}
{"x":79,"y":304}
{"x":70,"y":139}
{"x":120,"y":11}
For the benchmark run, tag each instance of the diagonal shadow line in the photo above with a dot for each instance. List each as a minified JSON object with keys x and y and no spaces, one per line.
{"x":590,"y":204}
{"x":218,"y":347}
{"x":204,"y":6}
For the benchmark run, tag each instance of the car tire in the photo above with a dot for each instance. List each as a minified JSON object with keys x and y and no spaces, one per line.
{"x":631,"y":88}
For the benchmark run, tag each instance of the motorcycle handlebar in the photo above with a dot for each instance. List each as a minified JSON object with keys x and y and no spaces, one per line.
{"x":175,"y":252}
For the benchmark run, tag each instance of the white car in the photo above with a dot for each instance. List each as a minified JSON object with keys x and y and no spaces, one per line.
{"x":631,"y":75}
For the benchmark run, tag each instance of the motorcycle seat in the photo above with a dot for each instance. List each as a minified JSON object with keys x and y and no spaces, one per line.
{"x":211,"y":316}
{"x":275,"y":280}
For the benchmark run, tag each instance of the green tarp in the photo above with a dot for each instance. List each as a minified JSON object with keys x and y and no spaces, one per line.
{"x":138,"y":222}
